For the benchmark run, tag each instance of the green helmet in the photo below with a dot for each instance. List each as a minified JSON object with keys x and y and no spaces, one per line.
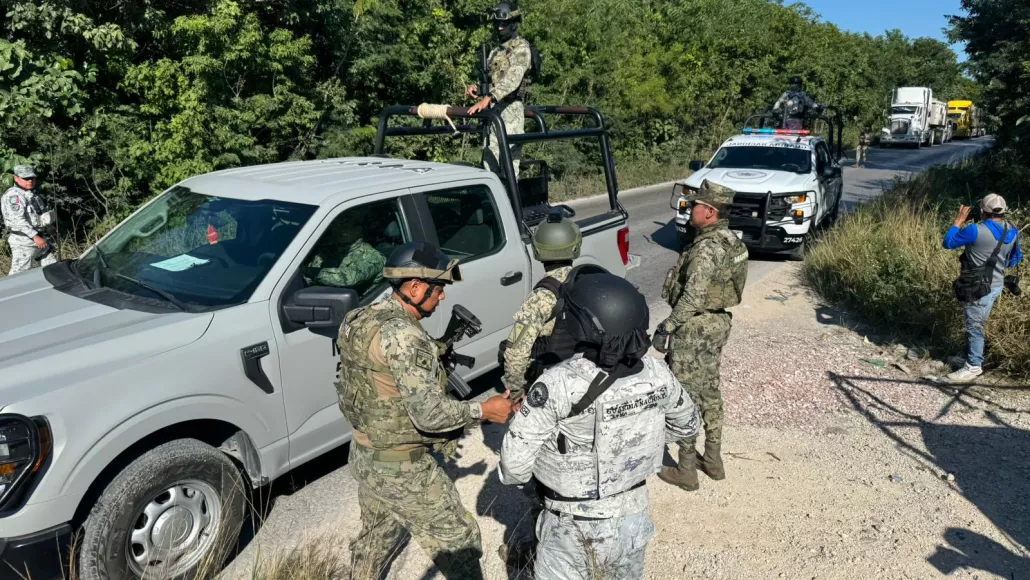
{"x":557,"y":240}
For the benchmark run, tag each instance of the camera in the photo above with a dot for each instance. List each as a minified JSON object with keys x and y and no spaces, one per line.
{"x":1012,"y":283}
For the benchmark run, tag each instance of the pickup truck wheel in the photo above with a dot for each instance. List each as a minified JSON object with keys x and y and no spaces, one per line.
{"x":798,"y":253}
{"x":176,"y":509}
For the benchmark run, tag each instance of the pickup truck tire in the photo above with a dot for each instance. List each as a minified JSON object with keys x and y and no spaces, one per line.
{"x":183,"y":493}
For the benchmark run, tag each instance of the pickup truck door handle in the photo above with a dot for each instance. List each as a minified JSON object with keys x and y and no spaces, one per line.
{"x":510,"y":278}
{"x":252,"y":356}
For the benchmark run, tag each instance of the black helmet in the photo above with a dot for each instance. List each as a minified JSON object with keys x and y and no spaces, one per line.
{"x":421,"y":261}
{"x":508,"y":16}
{"x":796,"y":82}
{"x":608,"y":317}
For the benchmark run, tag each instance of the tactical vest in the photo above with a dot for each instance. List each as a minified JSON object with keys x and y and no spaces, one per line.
{"x":726,"y":288}
{"x":521,"y":93}
{"x":628,"y":435}
{"x":380,"y":417}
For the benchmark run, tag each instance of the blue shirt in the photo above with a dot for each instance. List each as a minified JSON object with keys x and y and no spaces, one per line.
{"x":958,"y":238}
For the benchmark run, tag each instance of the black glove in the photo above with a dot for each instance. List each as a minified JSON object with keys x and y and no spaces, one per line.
{"x":660,"y":341}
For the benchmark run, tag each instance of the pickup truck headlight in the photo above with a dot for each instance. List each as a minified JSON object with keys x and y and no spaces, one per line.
{"x":793,"y":198}
{"x":679,"y":191}
{"x":25,"y":445}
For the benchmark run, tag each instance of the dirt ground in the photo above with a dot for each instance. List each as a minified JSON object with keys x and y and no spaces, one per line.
{"x":838,"y":467}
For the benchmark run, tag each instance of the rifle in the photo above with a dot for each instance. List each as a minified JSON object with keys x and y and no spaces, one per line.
{"x":484,"y":72}
{"x":462,"y":324}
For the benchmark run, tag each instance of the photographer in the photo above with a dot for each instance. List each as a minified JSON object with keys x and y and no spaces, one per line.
{"x":991,"y":246}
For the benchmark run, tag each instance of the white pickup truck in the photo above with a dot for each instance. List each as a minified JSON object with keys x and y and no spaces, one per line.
{"x":788,"y":183}
{"x":190,"y":355}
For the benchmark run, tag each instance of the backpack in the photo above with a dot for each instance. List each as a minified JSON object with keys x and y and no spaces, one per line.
{"x":973,"y":283}
{"x":547,"y":352}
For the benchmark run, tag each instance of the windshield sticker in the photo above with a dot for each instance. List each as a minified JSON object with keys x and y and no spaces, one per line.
{"x":783,"y":143}
{"x":180,"y":263}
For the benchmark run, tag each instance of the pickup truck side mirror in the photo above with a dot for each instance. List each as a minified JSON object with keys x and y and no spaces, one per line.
{"x":832,"y":171}
{"x":320,"y":307}
{"x":696,"y":165}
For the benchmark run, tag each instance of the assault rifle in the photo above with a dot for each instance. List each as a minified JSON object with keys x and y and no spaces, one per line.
{"x":484,"y":72}
{"x":463,"y":324}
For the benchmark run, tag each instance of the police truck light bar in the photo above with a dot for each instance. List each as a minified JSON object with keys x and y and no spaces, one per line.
{"x":802,"y":132}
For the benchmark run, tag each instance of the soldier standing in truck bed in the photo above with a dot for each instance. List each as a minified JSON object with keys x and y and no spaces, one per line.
{"x":509,"y":66}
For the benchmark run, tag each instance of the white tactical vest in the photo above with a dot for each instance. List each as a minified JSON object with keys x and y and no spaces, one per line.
{"x":615,"y":443}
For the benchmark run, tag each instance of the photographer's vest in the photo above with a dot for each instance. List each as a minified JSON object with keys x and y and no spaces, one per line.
{"x":367,"y":390}
{"x":976,"y":255}
{"x":627,"y":420}
{"x":726,"y":287}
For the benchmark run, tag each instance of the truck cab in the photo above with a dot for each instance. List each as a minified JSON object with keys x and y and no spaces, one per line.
{"x":190,"y":354}
{"x":908,"y":120}
{"x":787,"y":183}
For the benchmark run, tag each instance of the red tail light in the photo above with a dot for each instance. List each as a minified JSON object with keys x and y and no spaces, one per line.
{"x":624,"y":245}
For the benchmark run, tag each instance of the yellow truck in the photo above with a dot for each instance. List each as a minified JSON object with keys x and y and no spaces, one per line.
{"x":966,"y":119}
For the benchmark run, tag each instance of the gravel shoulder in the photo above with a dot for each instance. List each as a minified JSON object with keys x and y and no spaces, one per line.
{"x":837,"y":468}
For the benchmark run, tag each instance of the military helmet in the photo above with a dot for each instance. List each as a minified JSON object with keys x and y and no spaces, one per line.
{"x":421,"y":261}
{"x":607,"y":317}
{"x":796,"y":82}
{"x":505,"y":11}
{"x":557,"y":239}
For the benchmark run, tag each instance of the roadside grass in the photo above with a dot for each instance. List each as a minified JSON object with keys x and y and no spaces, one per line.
{"x":885,"y":262}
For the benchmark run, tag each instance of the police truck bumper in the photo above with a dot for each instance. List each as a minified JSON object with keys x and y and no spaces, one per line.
{"x":775,"y":236}
{"x":40,"y":556}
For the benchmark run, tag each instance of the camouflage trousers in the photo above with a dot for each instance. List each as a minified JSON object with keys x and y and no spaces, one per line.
{"x":612,"y":549}
{"x":22,"y":252}
{"x":695,"y":355}
{"x":398,"y":498}
{"x":861,"y":155}
{"x":513,"y":116}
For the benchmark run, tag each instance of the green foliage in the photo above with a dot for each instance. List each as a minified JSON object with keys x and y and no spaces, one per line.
{"x":115,"y":102}
{"x":997,"y":37}
{"x":886,"y":261}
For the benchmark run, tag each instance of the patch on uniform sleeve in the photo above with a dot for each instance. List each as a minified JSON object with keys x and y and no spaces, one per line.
{"x":423,"y":359}
{"x":15,"y":202}
{"x":537,"y":395}
{"x":524,"y":410}
{"x":516,"y":332}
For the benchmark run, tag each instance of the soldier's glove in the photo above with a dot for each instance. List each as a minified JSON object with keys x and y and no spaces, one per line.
{"x":661,"y":338}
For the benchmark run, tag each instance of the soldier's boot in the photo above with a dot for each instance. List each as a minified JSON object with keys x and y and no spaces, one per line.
{"x":684,"y":475}
{"x":711,"y":463}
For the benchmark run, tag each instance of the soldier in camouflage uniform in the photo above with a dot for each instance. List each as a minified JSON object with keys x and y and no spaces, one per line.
{"x":343,"y":259}
{"x":25,"y":222}
{"x":508,"y":65}
{"x":392,"y":390}
{"x":592,"y":429}
{"x":708,"y":278}
{"x":556,"y":244}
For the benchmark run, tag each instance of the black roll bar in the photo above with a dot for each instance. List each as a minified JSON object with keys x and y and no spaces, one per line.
{"x":490,"y":118}
{"x":836,"y":132}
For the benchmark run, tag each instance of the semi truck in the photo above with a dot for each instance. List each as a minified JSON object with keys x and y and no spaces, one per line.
{"x":908,"y":120}
{"x":940,"y":126}
{"x":966,"y":118}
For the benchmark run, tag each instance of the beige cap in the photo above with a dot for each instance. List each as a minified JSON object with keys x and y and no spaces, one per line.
{"x":994,"y":204}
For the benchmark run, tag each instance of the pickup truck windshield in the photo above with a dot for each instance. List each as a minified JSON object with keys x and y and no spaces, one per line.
{"x":193,"y":250}
{"x":769,"y":158}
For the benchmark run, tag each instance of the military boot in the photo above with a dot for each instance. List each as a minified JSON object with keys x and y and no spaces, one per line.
{"x":711,"y":463}
{"x":684,"y":475}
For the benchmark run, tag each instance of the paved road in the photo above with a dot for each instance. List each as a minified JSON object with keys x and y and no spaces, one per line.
{"x":322,"y":493}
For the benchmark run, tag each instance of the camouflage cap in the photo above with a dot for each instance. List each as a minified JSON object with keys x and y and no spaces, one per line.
{"x":25,"y":171}
{"x":713,"y":194}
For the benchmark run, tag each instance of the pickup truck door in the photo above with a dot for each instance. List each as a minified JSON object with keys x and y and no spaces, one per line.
{"x":473,"y":221}
{"x":309,"y":360}
{"x":832,"y":186}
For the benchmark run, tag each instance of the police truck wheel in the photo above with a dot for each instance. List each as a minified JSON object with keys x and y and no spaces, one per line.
{"x":175,"y":510}
{"x":798,"y":253}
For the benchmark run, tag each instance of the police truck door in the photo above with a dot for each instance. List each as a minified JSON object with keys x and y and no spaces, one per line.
{"x":474,"y":223}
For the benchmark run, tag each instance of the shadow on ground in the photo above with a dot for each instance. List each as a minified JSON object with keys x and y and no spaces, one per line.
{"x":990,"y":465}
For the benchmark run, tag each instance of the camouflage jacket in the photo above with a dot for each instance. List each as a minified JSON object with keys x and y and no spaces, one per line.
{"x":532,"y":321}
{"x":360,"y":264}
{"x":710,"y":275}
{"x":391,"y":385}
{"x":508,"y":64}
{"x":617,"y":441}
{"x":19,"y":213}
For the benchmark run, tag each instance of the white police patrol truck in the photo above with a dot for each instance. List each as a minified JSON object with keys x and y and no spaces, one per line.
{"x":788,"y":183}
